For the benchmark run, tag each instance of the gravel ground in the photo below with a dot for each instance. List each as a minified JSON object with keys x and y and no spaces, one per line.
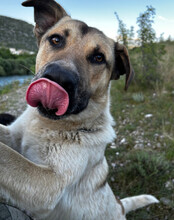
{"x":14,"y":102}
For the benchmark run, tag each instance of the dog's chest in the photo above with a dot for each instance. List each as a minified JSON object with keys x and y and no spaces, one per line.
{"x":32,"y":149}
{"x":44,"y":145}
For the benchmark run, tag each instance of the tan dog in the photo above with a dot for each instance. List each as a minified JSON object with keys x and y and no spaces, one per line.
{"x":52,"y":162}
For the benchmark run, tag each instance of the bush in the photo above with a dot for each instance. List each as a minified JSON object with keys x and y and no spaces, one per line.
{"x":148,"y":69}
{"x":15,"y":64}
{"x":6,"y":54}
{"x":2,"y":71}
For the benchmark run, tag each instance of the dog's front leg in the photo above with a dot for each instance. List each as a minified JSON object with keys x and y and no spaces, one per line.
{"x":28,"y":186}
{"x":11,"y":138}
{"x":12,"y":135}
{"x":5,"y":135}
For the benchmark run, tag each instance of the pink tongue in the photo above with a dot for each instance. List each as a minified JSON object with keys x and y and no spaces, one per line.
{"x":49,"y":93}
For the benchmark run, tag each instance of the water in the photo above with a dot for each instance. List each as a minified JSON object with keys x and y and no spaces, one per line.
{"x":5,"y":80}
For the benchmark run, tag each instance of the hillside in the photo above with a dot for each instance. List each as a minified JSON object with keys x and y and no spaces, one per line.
{"x":17,"y":34}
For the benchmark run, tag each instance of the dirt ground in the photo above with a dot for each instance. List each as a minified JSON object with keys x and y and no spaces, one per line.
{"x":14,"y":102}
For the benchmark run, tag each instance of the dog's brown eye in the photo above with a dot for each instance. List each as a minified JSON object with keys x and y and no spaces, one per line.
{"x":97,"y":58}
{"x":57,"y":40}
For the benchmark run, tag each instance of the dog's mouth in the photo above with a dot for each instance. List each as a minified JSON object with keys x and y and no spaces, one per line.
{"x":48,"y":96}
{"x":58,"y":91}
{"x":53,"y":101}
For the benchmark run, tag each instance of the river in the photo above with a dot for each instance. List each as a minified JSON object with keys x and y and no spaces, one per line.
{"x":5,"y":80}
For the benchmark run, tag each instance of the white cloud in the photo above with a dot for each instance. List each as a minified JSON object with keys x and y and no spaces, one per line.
{"x":165,"y":19}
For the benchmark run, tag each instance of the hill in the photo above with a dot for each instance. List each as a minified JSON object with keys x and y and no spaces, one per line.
{"x":17,"y":34}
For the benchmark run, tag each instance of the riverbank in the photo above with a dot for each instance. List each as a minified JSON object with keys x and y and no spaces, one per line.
{"x":6,"y":80}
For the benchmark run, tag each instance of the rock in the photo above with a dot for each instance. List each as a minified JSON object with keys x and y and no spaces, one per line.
{"x":123,"y":141}
{"x":113,"y":146}
{"x":113,"y":165}
{"x":158,"y":145}
{"x":149,"y":145}
{"x":165,"y":201}
{"x":112,"y":179}
{"x":148,"y":116}
{"x":170,"y":184}
{"x":139,"y":146}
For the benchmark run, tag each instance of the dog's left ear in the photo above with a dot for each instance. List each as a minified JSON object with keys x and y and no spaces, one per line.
{"x":122,"y":65}
{"x":46,"y":14}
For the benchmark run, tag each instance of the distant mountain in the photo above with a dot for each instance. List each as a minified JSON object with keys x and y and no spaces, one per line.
{"x":17,"y":34}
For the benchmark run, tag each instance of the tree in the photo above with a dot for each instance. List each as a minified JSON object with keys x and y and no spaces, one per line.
{"x":2,"y":71}
{"x":126,"y":35}
{"x":161,"y":38}
{"x":169,"y":39}
{"x":131,"y":32}
{"x":131,"y":35}
{"x":151,"y":52}
{"x":11,"y":64}
{"x":122,"y":30}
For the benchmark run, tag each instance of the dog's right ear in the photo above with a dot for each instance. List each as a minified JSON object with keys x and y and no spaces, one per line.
{"x":122,"y":65}
{"x":46,"y":14}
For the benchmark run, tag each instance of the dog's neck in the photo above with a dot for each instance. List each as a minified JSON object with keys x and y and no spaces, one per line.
{"x":97,"y":122}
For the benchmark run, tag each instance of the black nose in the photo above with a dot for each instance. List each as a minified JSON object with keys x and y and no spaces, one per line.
{"x":68,"y":79}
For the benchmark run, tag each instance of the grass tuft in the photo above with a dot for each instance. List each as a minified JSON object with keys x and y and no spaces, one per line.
{"x":138,"y":97}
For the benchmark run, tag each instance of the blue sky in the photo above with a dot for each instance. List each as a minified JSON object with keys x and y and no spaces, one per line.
{"x":100,"y":14}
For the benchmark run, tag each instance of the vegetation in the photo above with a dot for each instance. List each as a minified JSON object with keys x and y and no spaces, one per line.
{"x":142,"y":157}
{"x":147,"y":60}
{"x":9,"y":87}
{"x":122,"y":30}
{"x":151,"y":52}
{"x":17,"y":34}
{"x":20,"y":37}
{"x":11,"y":64}
{"x":125,"y":35}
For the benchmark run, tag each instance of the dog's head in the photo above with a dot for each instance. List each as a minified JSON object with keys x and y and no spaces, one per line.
{"x":74,"y":60}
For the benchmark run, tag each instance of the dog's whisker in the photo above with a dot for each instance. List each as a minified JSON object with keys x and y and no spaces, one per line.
{"x":27,"y":69}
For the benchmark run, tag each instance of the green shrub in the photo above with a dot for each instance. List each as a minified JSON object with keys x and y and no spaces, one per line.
{"x":2,"y":71}
{"x":16,"y":64}
{"x":143,"y":172}
{"x":138,"y":97}
{"x":6,"y":54}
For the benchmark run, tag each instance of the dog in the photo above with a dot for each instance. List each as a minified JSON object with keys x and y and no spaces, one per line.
{"x":52,"y":163}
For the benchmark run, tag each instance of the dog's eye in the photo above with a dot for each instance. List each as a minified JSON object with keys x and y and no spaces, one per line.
{"x":97,"y":58}
{"x":56,"y":40}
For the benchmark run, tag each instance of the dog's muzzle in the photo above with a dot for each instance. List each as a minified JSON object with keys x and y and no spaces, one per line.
{"x":57,"y":93}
